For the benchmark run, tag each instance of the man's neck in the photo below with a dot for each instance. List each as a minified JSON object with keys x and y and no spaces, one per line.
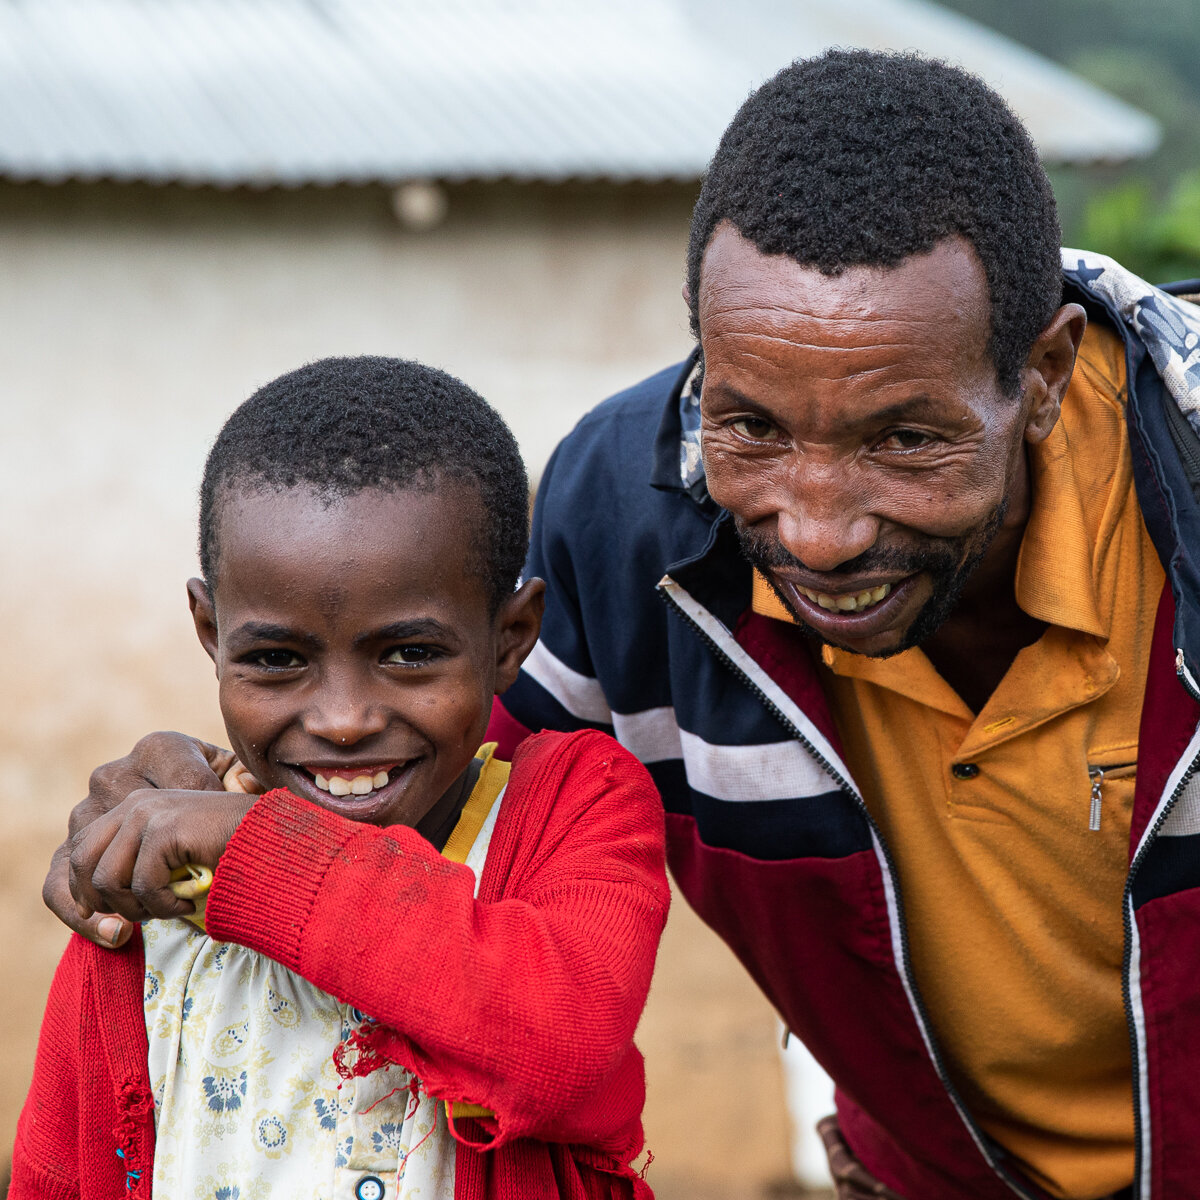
{"x":977,"y":643}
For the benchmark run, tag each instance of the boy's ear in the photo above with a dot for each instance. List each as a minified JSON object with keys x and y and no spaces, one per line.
{"x":518,"y":623}
{"x":204,"y":615}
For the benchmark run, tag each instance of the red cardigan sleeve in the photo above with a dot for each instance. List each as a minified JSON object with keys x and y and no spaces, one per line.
{"x":524,"y":1000}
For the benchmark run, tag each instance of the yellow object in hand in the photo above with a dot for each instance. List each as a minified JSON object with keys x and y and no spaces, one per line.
{"x":191,"y":882}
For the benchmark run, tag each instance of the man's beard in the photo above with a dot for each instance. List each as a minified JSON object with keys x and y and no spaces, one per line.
{"x":948,"y":562}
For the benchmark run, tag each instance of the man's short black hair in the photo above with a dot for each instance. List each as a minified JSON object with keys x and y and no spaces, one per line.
{"x":862,"y":158}
{"x":342,"y":425}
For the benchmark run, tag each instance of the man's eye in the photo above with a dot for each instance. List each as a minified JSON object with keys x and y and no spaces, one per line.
{"x":755,"y":428}
{"x":276,"y":660}
{"x":905,"y":439}
{"x":410,"y":655}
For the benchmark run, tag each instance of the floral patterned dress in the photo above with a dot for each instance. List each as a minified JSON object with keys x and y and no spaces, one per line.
{"x":249,"y":1104}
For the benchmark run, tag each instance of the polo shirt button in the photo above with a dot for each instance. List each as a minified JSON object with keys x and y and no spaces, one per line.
{"x":964,"y":770}
{"x":370,"y":1187}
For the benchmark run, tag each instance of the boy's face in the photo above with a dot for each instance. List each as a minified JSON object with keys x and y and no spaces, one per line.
{"x":354,"y":647}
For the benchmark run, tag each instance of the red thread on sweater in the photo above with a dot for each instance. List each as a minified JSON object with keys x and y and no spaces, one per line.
{"x":432,"y":1128}
{"x":135,"y":1102}
{"x":381,"y":1099}
{"x":412,"y":1087}
{"x":366,"y":1055}
{"x":646,"y":1164}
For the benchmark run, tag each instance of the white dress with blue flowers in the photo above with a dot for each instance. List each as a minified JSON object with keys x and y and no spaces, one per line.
{"x":248,"y":1103}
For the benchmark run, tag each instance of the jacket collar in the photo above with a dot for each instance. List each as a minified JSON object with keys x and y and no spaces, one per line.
{"x":671,"y":442}
{"x":1162,"y":355}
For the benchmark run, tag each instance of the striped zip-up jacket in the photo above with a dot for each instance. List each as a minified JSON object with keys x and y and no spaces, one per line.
{"x":649,"y":634}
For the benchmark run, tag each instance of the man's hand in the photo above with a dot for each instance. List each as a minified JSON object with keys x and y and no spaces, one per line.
{"x":122,"y":862}
{"x":851,"y":1180}
{"x":160,"y":760}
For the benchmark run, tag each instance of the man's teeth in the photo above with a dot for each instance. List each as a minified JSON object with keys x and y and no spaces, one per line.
{"x":362,"y":785}
{"x":849,"y":603}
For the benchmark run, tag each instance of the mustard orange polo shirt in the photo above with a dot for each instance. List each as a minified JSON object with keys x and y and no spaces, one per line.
{"x":1013,"y":902}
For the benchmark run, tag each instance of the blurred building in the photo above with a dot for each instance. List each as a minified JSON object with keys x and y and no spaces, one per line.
{"x":196,"y":195}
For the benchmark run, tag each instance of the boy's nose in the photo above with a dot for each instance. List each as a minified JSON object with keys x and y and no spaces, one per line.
{"x":344,"y":723}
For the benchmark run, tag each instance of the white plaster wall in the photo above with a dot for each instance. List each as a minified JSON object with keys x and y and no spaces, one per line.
{"x":132,"y":321}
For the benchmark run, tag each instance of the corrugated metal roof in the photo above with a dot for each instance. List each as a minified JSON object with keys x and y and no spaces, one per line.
{"x":324,"y":91}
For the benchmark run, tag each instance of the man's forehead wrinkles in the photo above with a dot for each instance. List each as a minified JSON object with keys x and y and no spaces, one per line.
{"x":759,"y":308}
{"x":891,"y":348}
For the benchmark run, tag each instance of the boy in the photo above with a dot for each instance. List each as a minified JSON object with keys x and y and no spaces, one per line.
{"x":364,"y":1017}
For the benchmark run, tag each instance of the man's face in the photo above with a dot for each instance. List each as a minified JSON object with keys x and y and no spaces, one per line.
{"x":855,"y":428}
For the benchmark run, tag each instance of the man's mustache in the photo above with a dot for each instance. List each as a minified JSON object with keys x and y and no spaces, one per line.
{"x":937,"y":555}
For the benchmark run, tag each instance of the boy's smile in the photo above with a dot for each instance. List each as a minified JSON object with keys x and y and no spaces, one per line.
{"x":354,"y":645}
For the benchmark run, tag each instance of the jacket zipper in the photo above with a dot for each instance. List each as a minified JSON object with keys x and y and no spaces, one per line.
{"x":847,"y":786}
{"x":1185,"y":676}
{"x":1097,"y":775}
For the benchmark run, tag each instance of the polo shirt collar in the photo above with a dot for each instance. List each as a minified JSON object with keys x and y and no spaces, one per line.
{"x":1055,"y":578}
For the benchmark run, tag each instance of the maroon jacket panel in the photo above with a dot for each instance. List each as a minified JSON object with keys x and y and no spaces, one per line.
{"x":826,"y":919}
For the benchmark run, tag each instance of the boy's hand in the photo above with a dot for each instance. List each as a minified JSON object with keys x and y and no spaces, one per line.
{"x":122,"y":862}
{"x":160,"y":760}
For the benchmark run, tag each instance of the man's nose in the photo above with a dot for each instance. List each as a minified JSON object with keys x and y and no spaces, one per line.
{"x":343,"y":713}
{"x":824,"y":518}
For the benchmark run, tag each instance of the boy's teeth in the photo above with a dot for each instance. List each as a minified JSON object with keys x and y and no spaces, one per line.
{"x":864,"y":599}
{"x":361,"y":785}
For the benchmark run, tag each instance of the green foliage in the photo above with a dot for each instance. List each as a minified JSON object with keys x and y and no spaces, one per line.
{"x":1158,"y":242}
{"x":1145,"y":214}
{"x":1167,"y":31}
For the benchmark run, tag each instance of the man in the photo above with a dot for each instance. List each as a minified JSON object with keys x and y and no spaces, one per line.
{"x":873,"y":586}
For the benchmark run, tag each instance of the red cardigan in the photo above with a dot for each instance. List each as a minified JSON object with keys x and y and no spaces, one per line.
{"x":523,"y":1001}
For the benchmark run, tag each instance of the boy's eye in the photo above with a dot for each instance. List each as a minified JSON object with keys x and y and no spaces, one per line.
{"x":410,"y":655}
{"x":276,"y":660}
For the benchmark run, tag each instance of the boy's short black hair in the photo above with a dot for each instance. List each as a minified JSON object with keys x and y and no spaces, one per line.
{"x":343,"y":425}
{"x":862,"y":158}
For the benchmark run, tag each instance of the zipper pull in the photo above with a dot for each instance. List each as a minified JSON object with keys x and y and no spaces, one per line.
{"x":1096,"y":775}
{"x":1179,"y":668}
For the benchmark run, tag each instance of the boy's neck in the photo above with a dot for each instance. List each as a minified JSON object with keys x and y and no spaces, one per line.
{"x":438,"y":823}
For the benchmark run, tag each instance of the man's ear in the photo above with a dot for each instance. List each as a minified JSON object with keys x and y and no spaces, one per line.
{"x":518,"y":623}
{"x":204,"y":615}
{"x":1047,"y":370}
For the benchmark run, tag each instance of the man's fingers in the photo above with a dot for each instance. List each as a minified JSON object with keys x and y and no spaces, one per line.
{"x":113,"y":874}
{"x":151,"y":884}
{"x":852,"y":1180}
{"x":159,"y":760}
{"x":180,"y":763}
{"x":105,"y":929}
{"x":220,"y":761}
{"x":87,"y":850}
{"x":132,"y":877}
